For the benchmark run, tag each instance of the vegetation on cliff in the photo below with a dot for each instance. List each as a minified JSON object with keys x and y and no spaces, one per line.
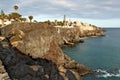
{"x":32,"y":50}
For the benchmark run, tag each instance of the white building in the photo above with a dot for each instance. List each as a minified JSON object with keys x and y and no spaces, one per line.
{"x":6,"y":22}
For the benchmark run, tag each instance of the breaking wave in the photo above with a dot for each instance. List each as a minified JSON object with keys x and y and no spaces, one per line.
{"x":106,"y":74}
{"x":109,"y":73}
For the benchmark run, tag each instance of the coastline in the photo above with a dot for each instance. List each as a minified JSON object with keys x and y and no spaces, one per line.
{"x":26,"y":39}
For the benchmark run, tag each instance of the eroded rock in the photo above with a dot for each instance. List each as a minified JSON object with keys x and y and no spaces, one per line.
{"x":42,"y":41}
{"x":3,"y":74}
{"x":23,"y":67}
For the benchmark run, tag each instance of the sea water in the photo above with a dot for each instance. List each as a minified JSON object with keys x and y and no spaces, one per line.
{"x":101,"y":54}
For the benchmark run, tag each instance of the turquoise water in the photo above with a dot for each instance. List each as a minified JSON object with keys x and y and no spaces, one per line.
{"x":101,"y":54}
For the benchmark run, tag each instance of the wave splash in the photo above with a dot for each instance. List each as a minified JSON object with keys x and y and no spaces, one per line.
{"x":106,"y":74}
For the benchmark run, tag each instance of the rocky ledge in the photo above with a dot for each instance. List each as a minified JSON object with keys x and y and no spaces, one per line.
{"x":32,"y":51}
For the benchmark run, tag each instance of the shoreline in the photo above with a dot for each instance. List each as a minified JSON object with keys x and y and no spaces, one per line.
{"x":46,"y":44}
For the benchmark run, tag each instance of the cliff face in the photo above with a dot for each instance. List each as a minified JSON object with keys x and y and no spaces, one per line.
{"x":23,"y":67}
{"x":63,"y":36}
{"x":40,"y":40}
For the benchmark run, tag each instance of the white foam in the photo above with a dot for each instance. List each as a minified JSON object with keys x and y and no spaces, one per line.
{"x":105,"y":74}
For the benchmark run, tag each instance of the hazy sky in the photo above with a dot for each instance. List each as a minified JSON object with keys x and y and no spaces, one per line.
{"x":103,"y":13}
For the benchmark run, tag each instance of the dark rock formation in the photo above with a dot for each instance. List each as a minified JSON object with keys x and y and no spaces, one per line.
{"x":41,"y":42}
{"x":23,"y":67}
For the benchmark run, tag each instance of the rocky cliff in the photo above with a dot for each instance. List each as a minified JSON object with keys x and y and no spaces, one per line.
{"x":23,"y":67}
{"x":41,"y":41}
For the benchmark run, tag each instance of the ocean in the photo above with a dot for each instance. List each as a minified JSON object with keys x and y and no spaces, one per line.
{"x":101,"y":54}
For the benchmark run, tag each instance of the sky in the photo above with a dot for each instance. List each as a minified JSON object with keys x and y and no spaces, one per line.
{"x":102,"y":13}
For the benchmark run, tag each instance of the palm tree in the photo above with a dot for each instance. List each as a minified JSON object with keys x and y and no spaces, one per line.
{"x":23,"y":19}
{"x":16,"y":7}
{"x":2,"y":17}
{"x":9,"y":17}
{"x":16,"y":16}
{"x":30,"y":18}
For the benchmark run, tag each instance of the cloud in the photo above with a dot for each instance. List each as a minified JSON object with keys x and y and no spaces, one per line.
{"x":64,"y":3}
{"x":24,"y":3}
{"x":94,"y":9}
{"x":86,"y":10}
{"x":1,"y":5}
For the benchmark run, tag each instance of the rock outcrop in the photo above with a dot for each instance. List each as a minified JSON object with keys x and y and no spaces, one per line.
{"x":3,"y":74}
{"x":40,"y":40}
{"x":23,"y":67}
